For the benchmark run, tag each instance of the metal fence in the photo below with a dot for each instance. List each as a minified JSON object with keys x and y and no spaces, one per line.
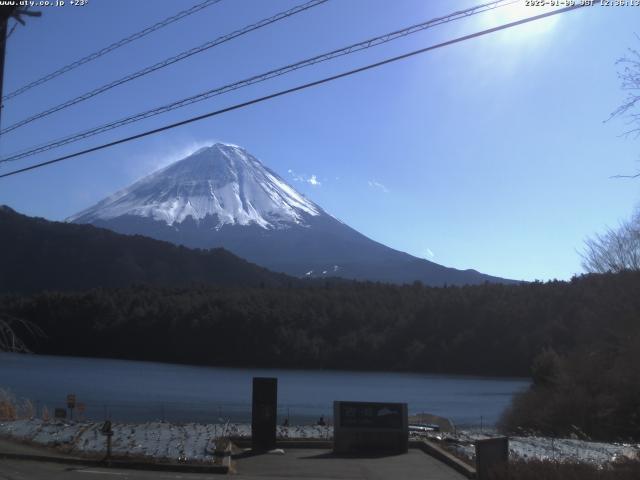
{"x":177,"y":412}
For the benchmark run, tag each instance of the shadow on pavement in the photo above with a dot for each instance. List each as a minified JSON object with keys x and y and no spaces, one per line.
{"x":335,"y":456}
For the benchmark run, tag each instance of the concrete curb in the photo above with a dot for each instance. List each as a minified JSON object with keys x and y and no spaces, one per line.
{"x":124,"y":464}
{"x":445,"y":457}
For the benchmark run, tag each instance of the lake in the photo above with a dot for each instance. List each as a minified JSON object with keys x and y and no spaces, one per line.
{"x":142,"y":391}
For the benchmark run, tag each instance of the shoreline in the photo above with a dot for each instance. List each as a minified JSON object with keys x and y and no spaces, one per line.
{"x":460,"y":376}
{"x":139,"y":391}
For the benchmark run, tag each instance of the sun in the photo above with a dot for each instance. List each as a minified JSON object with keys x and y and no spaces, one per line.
{"x":518,"y":11}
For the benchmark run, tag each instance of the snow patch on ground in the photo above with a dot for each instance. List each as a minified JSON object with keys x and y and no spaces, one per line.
{"x":195,"y":442}
{"x":543,"y":448}
{"x":191,"y":442}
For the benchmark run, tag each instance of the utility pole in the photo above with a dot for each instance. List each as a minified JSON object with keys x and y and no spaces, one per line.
{"x":4,"y":20}
{"x":7,"y":12}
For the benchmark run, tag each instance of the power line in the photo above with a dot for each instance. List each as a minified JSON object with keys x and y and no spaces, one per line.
{"x":372,"y":42}
{"x":112,"y":47}
{"x":166,"y":62}
{"x":295,"y":89}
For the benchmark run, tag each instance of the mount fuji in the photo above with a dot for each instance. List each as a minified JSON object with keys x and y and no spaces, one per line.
{"x":222,"y":196}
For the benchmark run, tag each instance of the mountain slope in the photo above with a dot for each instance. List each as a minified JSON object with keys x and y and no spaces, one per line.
{"x":36,"y":254}
{"x":222,"y":196}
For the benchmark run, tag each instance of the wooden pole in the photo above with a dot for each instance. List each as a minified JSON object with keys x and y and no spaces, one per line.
{"x":3,"y":43}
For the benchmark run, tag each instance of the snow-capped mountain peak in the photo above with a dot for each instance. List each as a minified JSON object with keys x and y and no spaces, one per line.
{"x":220,"y":180}
{"x":222,"y":196}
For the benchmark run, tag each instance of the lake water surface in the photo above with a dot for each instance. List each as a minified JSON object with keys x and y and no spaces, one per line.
{"x":142,"y":391}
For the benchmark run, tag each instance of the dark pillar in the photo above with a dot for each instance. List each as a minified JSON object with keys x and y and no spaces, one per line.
{"x":3,"y":43}
{"x":264,"y":413}
{"x":492,"y":453}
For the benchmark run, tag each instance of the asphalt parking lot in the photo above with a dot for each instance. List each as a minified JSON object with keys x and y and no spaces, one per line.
{"x":303,"y":463}
{"x":323,"y":464}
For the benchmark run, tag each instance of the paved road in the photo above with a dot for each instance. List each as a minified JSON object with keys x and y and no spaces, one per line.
{"x":307,"y":464}
{"x":303,"y":464}
{"x":8,"y":446}
{"x":311,"y":464}
{"x":25,"y":470}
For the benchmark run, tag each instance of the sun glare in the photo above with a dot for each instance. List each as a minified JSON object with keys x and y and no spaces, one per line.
{"x":519,"y":11}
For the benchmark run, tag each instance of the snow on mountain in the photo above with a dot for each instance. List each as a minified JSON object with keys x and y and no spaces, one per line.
{"x":222,"y":180}
{"x":222,"y":196}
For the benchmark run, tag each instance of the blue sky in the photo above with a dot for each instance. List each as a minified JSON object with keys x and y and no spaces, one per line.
{"x":491,"y":154}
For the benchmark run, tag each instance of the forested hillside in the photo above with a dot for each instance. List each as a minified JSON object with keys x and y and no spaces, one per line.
{"x":36,"y":254}
{"x":485,"y":329}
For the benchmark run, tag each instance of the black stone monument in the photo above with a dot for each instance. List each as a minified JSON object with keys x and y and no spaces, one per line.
{"x":264,"y":413}
{"x":370,"y":427}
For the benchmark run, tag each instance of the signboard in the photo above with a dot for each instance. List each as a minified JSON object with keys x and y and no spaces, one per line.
{"x":370,"y":427}
{"x":106,"y":428}
{"x":371,"y":415}
{"x":264,"y":413}
{"x":71,"y":403}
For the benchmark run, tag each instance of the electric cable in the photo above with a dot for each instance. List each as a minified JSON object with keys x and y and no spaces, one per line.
{"x":294,"y":89}
{"x":111,"y":48}
{"x":366,"y":44}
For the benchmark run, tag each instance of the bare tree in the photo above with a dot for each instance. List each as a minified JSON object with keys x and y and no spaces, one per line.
{"x":629,"y":76}
{"x":615,"y":250}
{"x":10,"y":341}
{"x":619,"y":249}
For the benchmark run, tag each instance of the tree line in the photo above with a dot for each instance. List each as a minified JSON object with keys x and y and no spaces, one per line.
{"x":488,"y":329}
